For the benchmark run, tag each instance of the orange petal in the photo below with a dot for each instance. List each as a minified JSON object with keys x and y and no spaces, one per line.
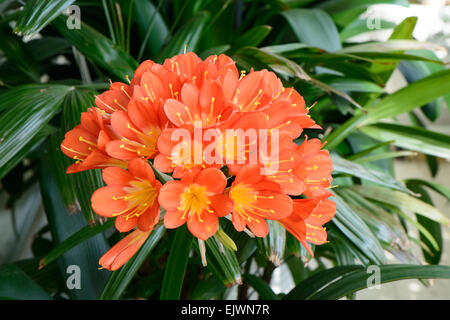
{"x":149,"y":218}
{"x":172,"y":219}
{"x":213,"y":179}
{"x":116,"y":176}
{"x":260,"y":228}
{"x":124,"y":225}
{"x":176,"y":112}
{"x":141,"y":168}
{"x":103,"y":202}
{"x":221,"y":204}
{"x":205,"y":228}
{"x":120,"y":253}
{"x":169,"y":195}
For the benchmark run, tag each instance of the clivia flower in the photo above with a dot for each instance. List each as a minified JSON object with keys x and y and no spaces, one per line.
{"x":307,"y":220}
{"x":226,"y":139}
{"x":130,"y":196}
{"x":256,"y":199}
{"x":196,"y":199}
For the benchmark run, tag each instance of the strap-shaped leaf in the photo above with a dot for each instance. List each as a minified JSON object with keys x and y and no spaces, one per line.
{"x":402,"y":201}
{"x":98,"y":48}
{"x":273,"y":245}
{"x":223,"y":264}
{"x":356,"y":231}
{"x":26,"y":111}
{"x":358,"y":279}
{"x":412,"y":138}
{"x":120,"y":279}
{"x":15,"y":284}
{"x":74,"y":240}
{"x":261,"y":287}
{"x":38,"y":13}
{"x":62,"y":225}
{"x":176,"y":264}
{"x":314,"y":27}
{"x":309,"y":286}
{"x":341,"y":165}
{"x":187,"y":37}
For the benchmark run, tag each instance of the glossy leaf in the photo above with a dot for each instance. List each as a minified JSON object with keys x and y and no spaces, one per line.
{"x":100,"y":49}
{"x":15,"y":284}
{"x":357,"y":232}
{"x":402,"y":201}
{"x":38,"y":13}
{"x":62,"y":225}
{"x":34,"y":106}
{"x":340,"y":165}
{"x":223,"y":263}
{"x":187,"y":38}
{"x":74,"y":240}
{"x":412,"y":138}
{"x":357,"y":279}
{"x":314,"y":27}
{"x":262,"y":288}
{"x":176,"y":264}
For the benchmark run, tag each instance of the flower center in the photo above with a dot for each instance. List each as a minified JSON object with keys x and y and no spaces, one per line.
{"x":244,"y":198}
{"x":194,"y":200}
{"x":141,"y":196}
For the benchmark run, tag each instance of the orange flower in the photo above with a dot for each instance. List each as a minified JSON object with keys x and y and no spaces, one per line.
{"x":256,"y":199}
{"x":197,"y":199}
{"x":114,"y":99}
{"x":315,"y":168}
{"x":130,"y":196}
{"x":86,"y":143}
{"x":308,"y":216}
{"x":123,"y":250}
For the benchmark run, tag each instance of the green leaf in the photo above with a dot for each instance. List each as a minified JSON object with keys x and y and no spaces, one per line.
{"x":187,"y":37}
{"x":273,"y":245}
{"x":412,"y":138}
{"x":29,"y":109}
{"x":361,"y":26}
{"x":442,"y":190}
{"x":314,"y":27}
{"x":176,"y":264}
{"x":15,"y":284}
{"x":402,"y":201}
{"x":390,"y":45}
{"x":261,"y":287}
{"x":26,"y":150}
{"x":18,"y":52}
{"x":223,"y":263}
{"x":62,"y":225}
{"x":340,"y":165}
{"x":78,"y":237}
{"x":119,"y":279}
{"x":358,"y":279}
{"x":357,"y":232}
{"x":433,"y":255}
{"x":98,"y":48}
{"x":253,"y":37}
{"x":416,"y":70}
{"x":414,"y":95}
{"x":38,"y":13}
{"x":156,"y":25}
{"x":344,"y":5}
{"x":351,"y":85}
{"x":308,"y":287}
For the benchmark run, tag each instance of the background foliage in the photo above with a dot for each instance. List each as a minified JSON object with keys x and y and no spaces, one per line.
{"x":49,"y":74}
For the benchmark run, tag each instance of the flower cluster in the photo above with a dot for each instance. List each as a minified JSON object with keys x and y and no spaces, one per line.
{"x":209,"y":127}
